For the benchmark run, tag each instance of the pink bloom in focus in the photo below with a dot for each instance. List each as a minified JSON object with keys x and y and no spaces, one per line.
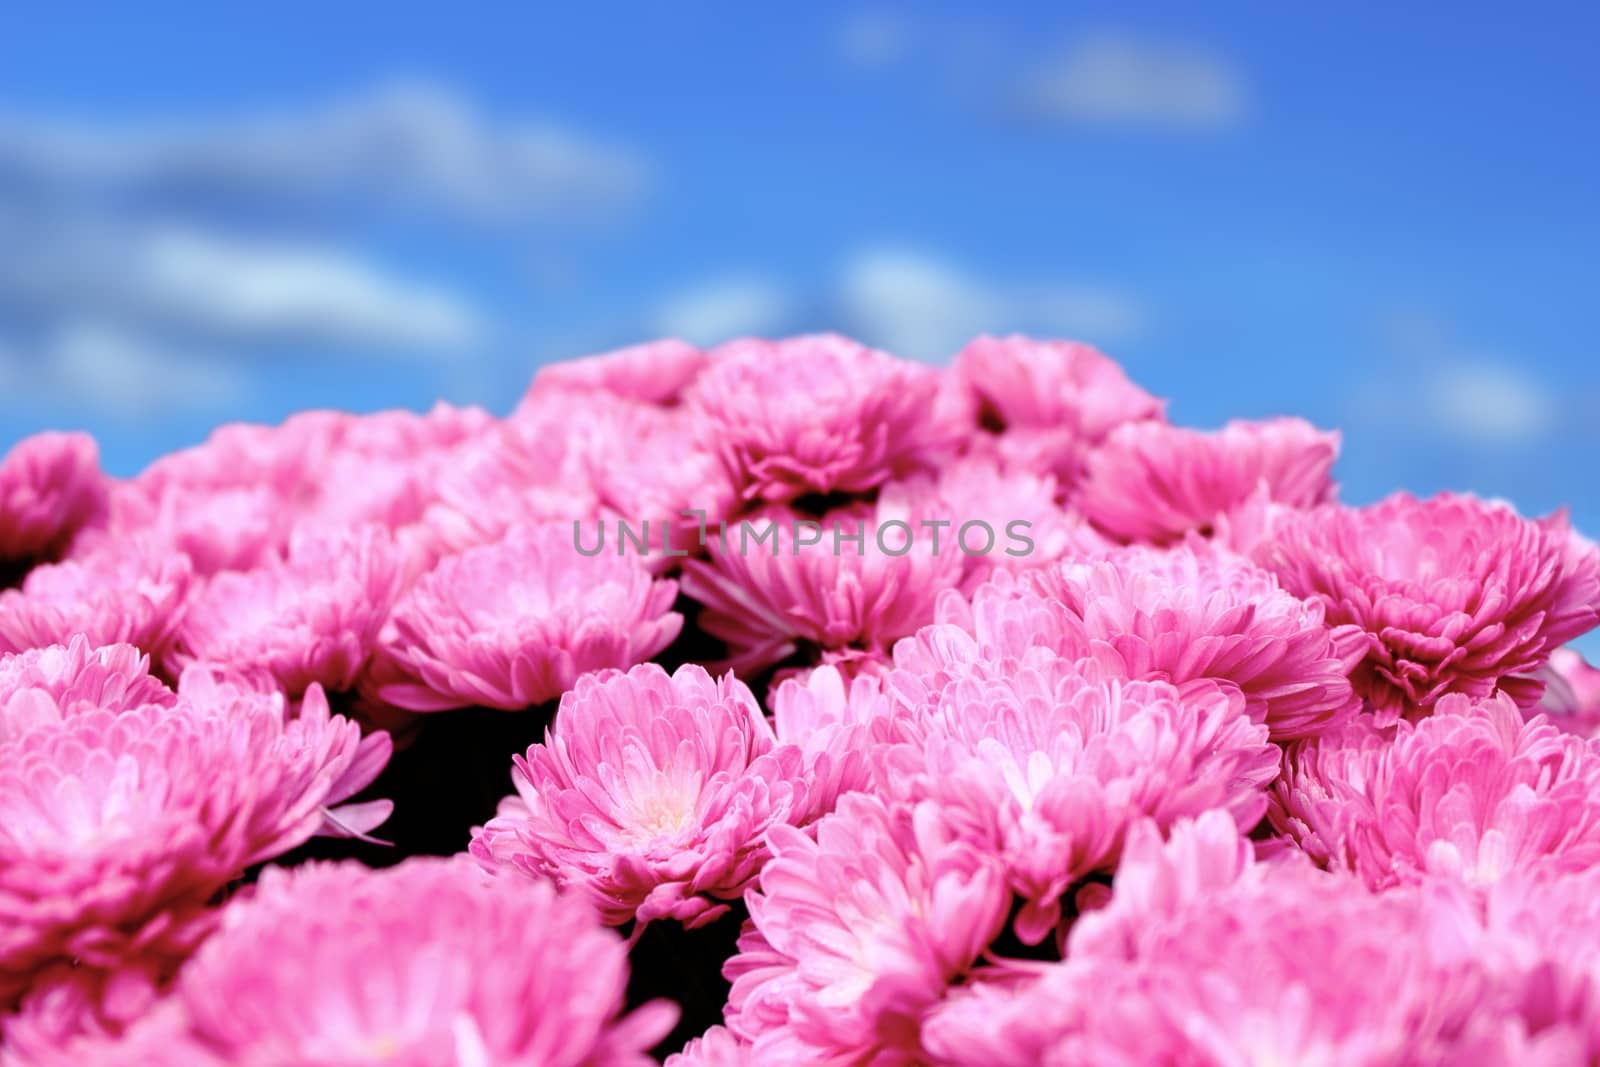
{"x":1049,"y":762}
{"x":1469,"y":794}
{"x":1154,"y":483}
{"x":310,"y":618}
{"x":657,"y":372}
{"x":128,"y":594}
{"x":1195,"y":613}
{"x":1572,"y":693}
{"x":834,"y":721}
{"x":424,"y":963}
{"x":816,"y":414}
{"x":857,"y":930}
{"x":47,"y":684}
{"x":1052,"y":399}
{"x":50,"y":486}
{"x":1452,"y":594}
{"x":651,"y":794}
{"x":779,"y":583}
{"x":514,"y":623}
{"x":118,"y":827}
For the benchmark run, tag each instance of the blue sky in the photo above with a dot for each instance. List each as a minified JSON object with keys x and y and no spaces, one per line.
{"x":1383,"y":221}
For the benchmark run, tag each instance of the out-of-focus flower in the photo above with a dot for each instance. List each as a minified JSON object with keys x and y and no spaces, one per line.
{"x":117,"y":827}
{"x":424,"y":963}
{"x":656,"y":372}
{"x":651,"y":794}
{"x":1048,"y":763}
{"x":1050,"y":402}
{"x":1452,"y":594}
{"x":1572,"y":693}
{"x":50,"y":486}
{"x":857,"y":930}
{"x":512,"y":624}
{"x":855,"y":580}
{"x":130,"y":594}
{"x":1154,"y":483}
{"x":1470,"y":794}
{"x":310,"y":618}
{"x":44,"y":685}
{"x":818,"y":414}
{"x":1194,"y":612}
{"x":717,"y":1047}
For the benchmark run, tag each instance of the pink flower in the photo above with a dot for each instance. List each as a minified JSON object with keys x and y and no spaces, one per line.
{"x":1572,"y":693}
{"x":717,"y":1047}
{"x":219,"y":529}
{"x":972,"y":500}
{"x":310,"y":618}
{"x":50,"y":486}
{"x":44,"y":685}
{"x":855,"y":932}
{"x":835,"y":722}
{"x":1048,"y":762}
{"x":855,"y":579}
{"x":1154,"y":483}
{"x":651,"y":794}
{"x":1053,"y":399}
{"x":1194,"y":613}
{"x":1470,"y":794}
{"x":657,"y":372}
{"x":817,"y":414}
{"x":1452,"y":594}
{"x":424,"y":963}
{"x":117,"y":827}
{"x":1204,"y":956}
{"x":512,"y":624}
{"x":128,"y":594}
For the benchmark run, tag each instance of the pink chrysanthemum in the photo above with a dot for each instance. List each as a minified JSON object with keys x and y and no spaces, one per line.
{"x":1049,"y":400}
{"x":973,"y":499}
{"x":50,"y":486}
{"x":835,"y":722}
{"x":1452,"y":594}
{"x":128,"y":594}
{"x":1572,"y":693}
{"x":857,"y":930}
{"x":817,"y":414}
{"x":219,"y":529}
{"x":1048,"y":762}
{"x":424,"y":963}
{"x":1154,"y":483}
{"x":118,"y":827}
{"x":1194,"y":613}
{"x":1206,"y":957}
{"x":310,"y":618}
{"x":775,"y":585}
{"x":1470,"y":793}
{"x":512,"y":624}
{"x":44,"y":685}
{"x":657,"y":372}
{"x":651,"y":794}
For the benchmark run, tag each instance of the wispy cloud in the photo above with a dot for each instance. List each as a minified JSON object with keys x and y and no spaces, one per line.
{"x":726,"y":308}
{"x":1115,"y":79}
{"x":871,"y":40}
{"x":916,"y":304}
{"x":405,"y":142}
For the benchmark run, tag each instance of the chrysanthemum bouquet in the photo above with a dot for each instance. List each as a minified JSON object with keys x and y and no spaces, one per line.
{"x":789,"y":703}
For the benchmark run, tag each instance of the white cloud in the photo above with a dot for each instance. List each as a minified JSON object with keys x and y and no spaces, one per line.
{"x":721,"y":310}
{"x":179,"y":280}
{"x":100,"y":368}
{"x":914,"y":304}
{"x":873,"y":39}
{"x":1119,"y":80}
{"x":1489,"y":402}
{"x":407,"y":142}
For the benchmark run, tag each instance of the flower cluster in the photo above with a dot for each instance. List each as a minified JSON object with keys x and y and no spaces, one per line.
{"x":354,"y":740}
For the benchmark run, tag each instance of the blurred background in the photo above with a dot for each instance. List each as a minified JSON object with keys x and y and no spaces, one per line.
{"x":1384,"y":221}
